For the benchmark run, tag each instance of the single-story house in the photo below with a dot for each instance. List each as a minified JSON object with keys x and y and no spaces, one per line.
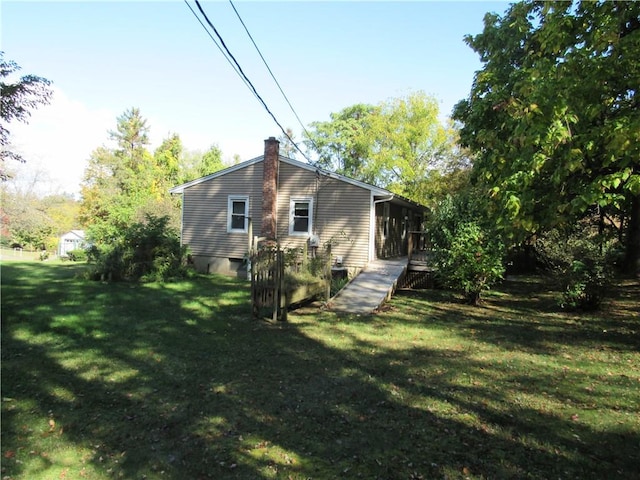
{"x":72,"y":240}
{"x":275,"y":197}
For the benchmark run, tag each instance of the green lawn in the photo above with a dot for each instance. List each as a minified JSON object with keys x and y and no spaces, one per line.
{"x":176,"y":381}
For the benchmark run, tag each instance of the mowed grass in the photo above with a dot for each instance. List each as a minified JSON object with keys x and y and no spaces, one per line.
{"x":176,"y":381}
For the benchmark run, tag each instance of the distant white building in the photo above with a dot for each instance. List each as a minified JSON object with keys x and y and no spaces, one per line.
{"x":72,"y":240}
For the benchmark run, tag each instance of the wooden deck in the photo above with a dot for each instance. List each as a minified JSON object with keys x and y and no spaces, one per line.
{"x":379,"y":280}
{"x":419,"y":275}
{"x":419,"y":265}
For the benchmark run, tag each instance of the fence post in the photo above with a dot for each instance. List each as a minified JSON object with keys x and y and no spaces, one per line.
{"x":249,"y":248}
{"x":328,"y":276}
{"x":281,"y":298}
{"x":254,"y":293}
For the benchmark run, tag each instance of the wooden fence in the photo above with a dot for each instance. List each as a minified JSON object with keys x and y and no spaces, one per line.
{"x":267,"y":272}
{"x":276,"y":284}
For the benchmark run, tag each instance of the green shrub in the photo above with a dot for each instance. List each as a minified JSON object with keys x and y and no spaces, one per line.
{"x":472,"y":262}
{"x":148,"y":251}
{"x":78,"y":255}
{"x":338,"y":284}
{"x":468,"y":254}
{"x":304,"y":271}
{"x":581,"y":264}
{"x":107,"y":262}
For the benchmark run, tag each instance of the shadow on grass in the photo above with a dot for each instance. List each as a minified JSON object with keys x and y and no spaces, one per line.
{"x":523,"y":314}
{"x":176,"y":381}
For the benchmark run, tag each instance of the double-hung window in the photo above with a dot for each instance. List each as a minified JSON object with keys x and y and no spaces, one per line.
{"x":301,"y":216}
{"x":238,"y":214}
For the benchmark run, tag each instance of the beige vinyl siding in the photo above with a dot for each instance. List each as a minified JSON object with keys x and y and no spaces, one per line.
{"x":341,"y":211}
{"x":337,"y":207}
{"x":204,"y":215}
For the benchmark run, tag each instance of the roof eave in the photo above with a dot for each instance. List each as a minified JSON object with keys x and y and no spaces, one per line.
{"x":375,"y":191}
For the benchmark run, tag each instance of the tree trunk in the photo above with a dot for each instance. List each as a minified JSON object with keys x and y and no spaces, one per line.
{"x":473,"y":298}
{"x":632,"y":259}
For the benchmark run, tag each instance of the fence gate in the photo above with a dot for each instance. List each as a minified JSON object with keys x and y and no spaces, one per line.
{"x":267,"y":283}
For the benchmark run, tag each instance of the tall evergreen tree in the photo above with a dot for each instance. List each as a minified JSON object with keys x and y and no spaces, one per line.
{"x":131,"y":134}
{"x":287,"y":147}
{"x":124,"y":184}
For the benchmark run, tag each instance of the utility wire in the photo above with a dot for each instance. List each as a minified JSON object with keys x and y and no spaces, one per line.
{"x":240,"y":72}
{"x":216,"y":42}
{"x":269,"y":69}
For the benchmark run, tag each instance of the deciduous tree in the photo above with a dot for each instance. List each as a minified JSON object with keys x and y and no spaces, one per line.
{"x":17,"y":101}
{"x":211,"y":161}
{"x":36,"y":222}
{"x":124,"y":184}
{"x":195,"y":164}
{"x":553,"y":115}
{"x":168,"y":157}
{"x":413,"y":147}
{"x":344,"y":144}
{"x":400,"y":144}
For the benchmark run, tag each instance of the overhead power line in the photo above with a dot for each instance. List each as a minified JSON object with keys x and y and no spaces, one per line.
{"x":269,"y":69}
{"x":216,"y":43}
{"x":236,"y":66}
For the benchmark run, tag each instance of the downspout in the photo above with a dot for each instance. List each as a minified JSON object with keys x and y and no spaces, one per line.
{"x":183,"y":202}
{"x":372,"y":223}
{"x":277,"y":193}
{"x":316,"y":201}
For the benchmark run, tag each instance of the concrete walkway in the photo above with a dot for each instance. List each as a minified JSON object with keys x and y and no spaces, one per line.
{"x":371,"y":288}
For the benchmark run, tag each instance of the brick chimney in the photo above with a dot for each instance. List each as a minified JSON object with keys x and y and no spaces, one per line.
{"x":270,"y":188}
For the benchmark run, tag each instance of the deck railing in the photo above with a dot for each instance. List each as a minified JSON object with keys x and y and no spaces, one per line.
{"x":419,"y":267}
{"x":418,"y":248}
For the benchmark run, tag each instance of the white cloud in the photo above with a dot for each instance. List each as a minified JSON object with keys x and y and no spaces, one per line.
{"x":59,"y":139}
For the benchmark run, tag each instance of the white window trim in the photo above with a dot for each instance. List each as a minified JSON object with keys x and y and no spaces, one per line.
{"x":230,"y":200}
{"x":292,"y":203}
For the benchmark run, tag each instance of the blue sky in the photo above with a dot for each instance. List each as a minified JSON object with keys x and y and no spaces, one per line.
{"x":105,"y":57}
